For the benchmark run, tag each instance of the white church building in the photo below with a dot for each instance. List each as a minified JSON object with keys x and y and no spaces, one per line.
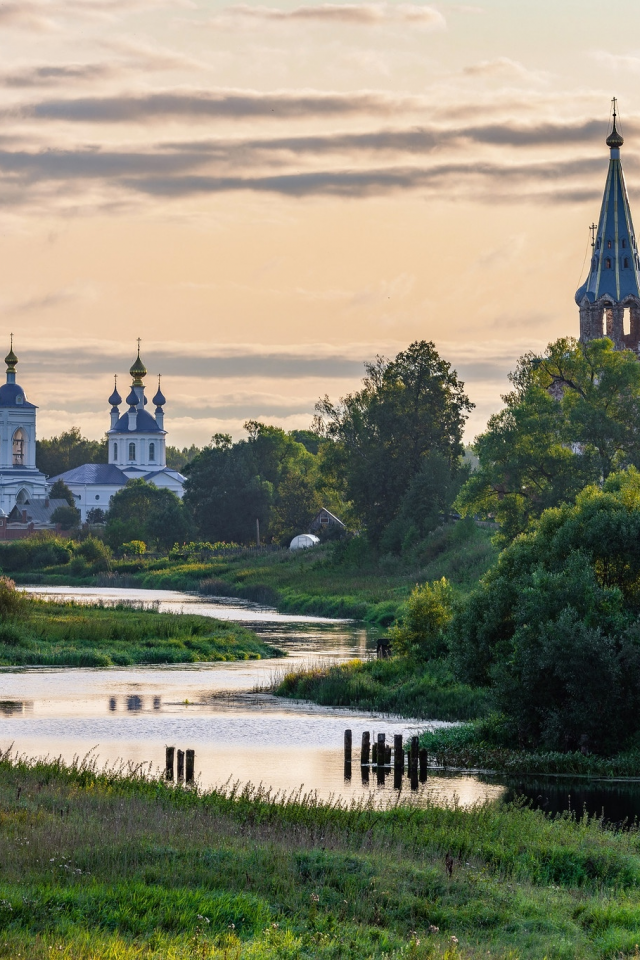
{"x":137,"y":449}
{"x":20,"y":480}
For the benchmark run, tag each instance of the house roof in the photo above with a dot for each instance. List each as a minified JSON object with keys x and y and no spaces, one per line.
{"x":36,"y":511}
{"x":145,"y":423}
{"x":100,"y":473}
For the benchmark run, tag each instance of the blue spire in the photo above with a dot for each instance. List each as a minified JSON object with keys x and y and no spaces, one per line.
{"x":615,"y":268}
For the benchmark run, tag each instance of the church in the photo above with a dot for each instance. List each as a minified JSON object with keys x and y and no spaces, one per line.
{"x":137,"y":449}
{"x":609,"y":299}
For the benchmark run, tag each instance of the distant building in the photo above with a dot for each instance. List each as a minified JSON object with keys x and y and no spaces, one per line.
{"x":609,"y":299}
{"x":136,"y":450}
{"x":25,"y":520}
{"x":324,"y":520}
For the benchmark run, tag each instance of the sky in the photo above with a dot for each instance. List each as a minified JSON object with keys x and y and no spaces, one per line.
{"x":270,"y":194}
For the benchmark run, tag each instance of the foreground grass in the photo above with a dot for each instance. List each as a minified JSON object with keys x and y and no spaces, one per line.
{"x":79,"y":635}
{"x":329,"y":580}
{"x":396,"y":686}
{"x":469,"y":747}
{"x":109,"y":866}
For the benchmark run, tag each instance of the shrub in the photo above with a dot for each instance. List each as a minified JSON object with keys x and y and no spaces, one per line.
{"x":13,"y":603}
{"x":134,"y":548}
{"x":422,"y":631}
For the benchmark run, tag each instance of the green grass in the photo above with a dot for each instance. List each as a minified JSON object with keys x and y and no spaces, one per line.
{"x":396,"y":686}
{"x":79,"y":635}
{"x":468,"y":747}
{"x":331,"y":580}
{"x":112,"y":866}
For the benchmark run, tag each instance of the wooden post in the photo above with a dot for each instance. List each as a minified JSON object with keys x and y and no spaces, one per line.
{"x":364,"y":750}
{"x":413,"y":765}
{"x":423,"y":756}
{"x":168,"y":768}
{"x":374,"y":753}
{"x":398,"y":753}
{"x":364,"y":770}
{"x":381,"y":757}
{"x":191,"y":755}
{"x":397,"y":778}
{"x":180,"y":765}
{"x":347,"y":746}
{"x":387,"y":755}
{"x":347,"y":771}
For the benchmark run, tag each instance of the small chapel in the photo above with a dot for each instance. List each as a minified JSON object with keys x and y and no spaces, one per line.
{"x":137,"y":449}
{"x":609,"y":299}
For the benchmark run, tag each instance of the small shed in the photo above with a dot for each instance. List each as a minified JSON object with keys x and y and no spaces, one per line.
{"x":324,"y":520}
{"x":303,"y":541}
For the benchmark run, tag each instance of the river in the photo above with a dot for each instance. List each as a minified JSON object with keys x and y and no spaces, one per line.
{"x":129,"y":714}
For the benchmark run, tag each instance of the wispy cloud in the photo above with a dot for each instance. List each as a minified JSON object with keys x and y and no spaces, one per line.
{"x":362,"y":14}
{"x":505,"y":68}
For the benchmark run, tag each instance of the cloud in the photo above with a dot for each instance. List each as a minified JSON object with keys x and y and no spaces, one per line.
{"x":363,"y":14}
{"x":617,"y":61}
{"x":502,"y":67}
{"x":50,"y":74}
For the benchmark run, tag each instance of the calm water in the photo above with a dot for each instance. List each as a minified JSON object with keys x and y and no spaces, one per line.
{"x":130,"y":714}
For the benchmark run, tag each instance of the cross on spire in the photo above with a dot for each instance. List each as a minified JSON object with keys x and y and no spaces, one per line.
{"x":593,"y":228}
{"x":140,"y":338}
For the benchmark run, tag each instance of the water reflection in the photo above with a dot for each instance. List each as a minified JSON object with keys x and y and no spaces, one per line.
{"x":616,"y":802}
{"x":11,"y":708}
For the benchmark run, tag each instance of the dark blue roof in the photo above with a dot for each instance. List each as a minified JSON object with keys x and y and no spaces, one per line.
{"x":115,"y":399}
{"x":159,"y":399}
{"x":106,"y":473}
{"x":145,"y":424}
{"x":9,"y":393}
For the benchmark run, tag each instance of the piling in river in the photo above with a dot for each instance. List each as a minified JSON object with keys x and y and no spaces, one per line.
{"x":168,"y":767}
{"x":191,"y":754}
{"x":364,"y":750}
{"x":180,"y":765}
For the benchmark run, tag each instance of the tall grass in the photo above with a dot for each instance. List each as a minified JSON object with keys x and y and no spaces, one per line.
{"x":117,"y":864}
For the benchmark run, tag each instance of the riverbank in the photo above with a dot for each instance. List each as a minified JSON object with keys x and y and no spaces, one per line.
{"x":79,"y":635}
{"x":112,"y":866}
{"x":397,"y":686}
{"x":332,"y":580}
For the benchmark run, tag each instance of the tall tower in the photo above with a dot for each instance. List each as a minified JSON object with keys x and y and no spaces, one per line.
{"x":609,"y":299}
{"x":137,"y":439}
{"x":20,"y":480}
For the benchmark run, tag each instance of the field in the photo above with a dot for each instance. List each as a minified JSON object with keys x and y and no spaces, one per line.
{"x":74,"y":635}
{"x":112,"y":866}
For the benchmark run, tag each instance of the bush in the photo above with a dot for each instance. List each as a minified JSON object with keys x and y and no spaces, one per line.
{"x":134,"y":548}
{"x":13,"y":603}
{"x":422,"y":631}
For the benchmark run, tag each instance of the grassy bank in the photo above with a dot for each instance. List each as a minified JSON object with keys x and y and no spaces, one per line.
{"x":392,"y":686}
{"x":106,"y":866}
{"x":341,"y":580}
{"x":75,"y":635}
{"x":469,"y":747}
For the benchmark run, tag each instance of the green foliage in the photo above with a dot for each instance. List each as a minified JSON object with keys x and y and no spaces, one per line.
{"x":422,"y":632}
{"x":13,"y":603}
{"x":68,"y":517}
{"x":134,"y":548}
{"x":408,"y":409}
{"x":60,"y":491}
{"x":569,"y":421}
{"x":142,"y":511}
{"x":67,"y":451}
{"x":553,"y":626}
{"x":177,"y":458}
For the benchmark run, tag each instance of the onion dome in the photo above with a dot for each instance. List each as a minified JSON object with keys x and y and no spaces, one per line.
{"x":115,"y":399}
{"x":615,"y":139}
{"x":138,"y":370}
{"x":11,"y":359}
{"x":132,"y":399}
{"x":159,"y":399}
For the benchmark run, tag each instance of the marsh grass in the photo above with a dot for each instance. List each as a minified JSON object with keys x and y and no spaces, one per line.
{"x":398,"y":685}
{"x":102,"y":635}
{"x":117,"y":864}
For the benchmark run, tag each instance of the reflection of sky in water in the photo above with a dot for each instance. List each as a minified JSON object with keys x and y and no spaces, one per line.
{"x":131,"y":713}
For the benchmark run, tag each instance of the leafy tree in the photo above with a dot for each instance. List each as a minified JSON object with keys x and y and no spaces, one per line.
{"x":570,"y":420}
{"x":60,"y":491}
{"x":407,"y":408}
{"x":178,"y":458}
{"x":67,"y":451}
{"x":421,"y":634}
{"x":96,"y":515}
{"x":142,"y":511}
{"x":553,"y":627}
{"x":68,"y":517}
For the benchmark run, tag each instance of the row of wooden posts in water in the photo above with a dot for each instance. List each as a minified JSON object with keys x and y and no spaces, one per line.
{"x":383,"y":757}
{"x":182,"y":774}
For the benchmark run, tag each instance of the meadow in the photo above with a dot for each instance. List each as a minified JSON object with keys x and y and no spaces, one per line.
{"x":78,"y":635}
{"x":117,"y":865}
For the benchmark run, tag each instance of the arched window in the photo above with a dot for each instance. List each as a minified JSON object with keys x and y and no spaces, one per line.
{"x":607,"y":263}
{"x":608,"y":244}
{"x":19,"y":439}
{"x":626,"y":262}
{"x":624,"y":243}
{"x":23,"y":497}
{"x":132,"y":451}
{"x":152,"y":452}
{"x":115,"y":451}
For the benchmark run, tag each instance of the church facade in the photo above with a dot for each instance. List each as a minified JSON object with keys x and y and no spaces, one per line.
{"x":609,"y":299}
{"x":20,"y":480}
{"x":137,"y":450}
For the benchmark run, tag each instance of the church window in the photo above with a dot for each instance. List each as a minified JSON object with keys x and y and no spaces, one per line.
{"x":626,"y":262}
{"x":608,"y":244}
{"x":607,"y":263}
{"x":97,"y":496}
{"x":624,"y":243}
{"x":132,"y":451}
{"x":18,"y":447}
{"x":115,"y":451}
{"x":152,"y":451}
{"x":19,"y":398}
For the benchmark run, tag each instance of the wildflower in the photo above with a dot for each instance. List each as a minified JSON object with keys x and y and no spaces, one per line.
{"x":315,"y":898}
{"x":453,"y":939}
{"x":433,"y":929}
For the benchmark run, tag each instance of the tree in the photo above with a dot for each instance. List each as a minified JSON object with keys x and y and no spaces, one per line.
{"x":68,"y":517}
{"x":178,"y":458}
{"x":96,"y":515}
{"x":60,"y":491}
{"x":421,"y":634}
{"x":553,"y":627}
{"x":142,"y":511}
{"x":67,"y":451}
{"x":407,"y":408}
{"x":569,"y":421}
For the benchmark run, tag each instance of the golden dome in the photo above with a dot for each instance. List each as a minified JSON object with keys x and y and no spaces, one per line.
{"x":138,"y":370}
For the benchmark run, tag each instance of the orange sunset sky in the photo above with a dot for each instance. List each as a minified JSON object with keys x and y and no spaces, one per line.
{"x":269,"y":194}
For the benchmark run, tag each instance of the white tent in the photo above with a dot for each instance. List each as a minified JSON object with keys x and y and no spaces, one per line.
{"x":303,"y":541}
